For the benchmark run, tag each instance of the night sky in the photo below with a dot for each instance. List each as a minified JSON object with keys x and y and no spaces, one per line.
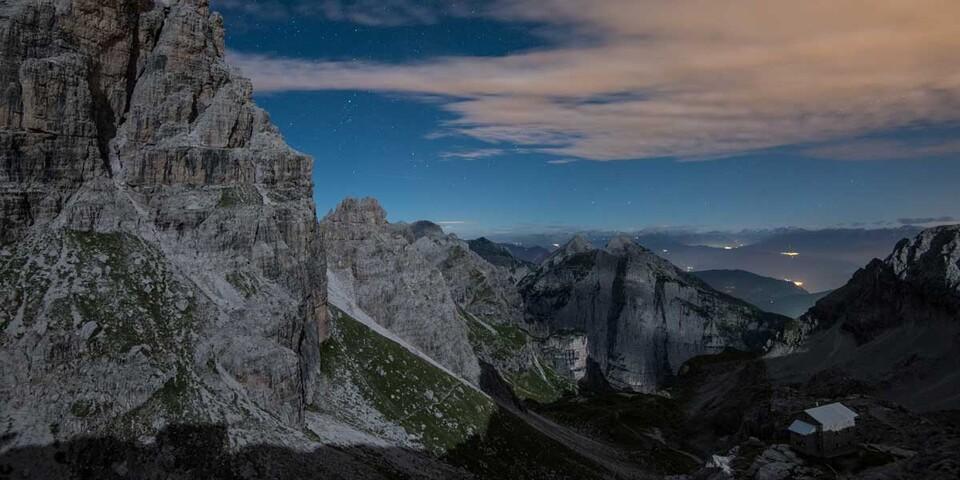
{"x":521,"y":115}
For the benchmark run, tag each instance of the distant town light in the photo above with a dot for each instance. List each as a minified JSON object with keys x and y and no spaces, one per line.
{"x":790,"y":254}
{"x":727,"y":247}
{"x":798,"y":283}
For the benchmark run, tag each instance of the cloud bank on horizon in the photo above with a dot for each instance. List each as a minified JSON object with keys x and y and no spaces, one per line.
{"x":694,"y":79}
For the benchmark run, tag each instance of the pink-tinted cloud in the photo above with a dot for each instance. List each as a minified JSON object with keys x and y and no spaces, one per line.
{"x":692,"y":79}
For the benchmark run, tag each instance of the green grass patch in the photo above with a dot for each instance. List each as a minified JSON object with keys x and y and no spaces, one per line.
{"x":531,"y":385}
{"x":428,"y":403}
{"x":243,"y":283}
{"x":503,"y":343}
{"x":133,"y":299}
{"x":500,"y":345}
{"x":237,"y":196}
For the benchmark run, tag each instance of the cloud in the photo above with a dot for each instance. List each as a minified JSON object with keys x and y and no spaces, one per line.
{"x":473,"y":154}
{"x":561,"y":161}
{"x":865,"y":150}
{"x":925,"y":220}
{"x":694,"y":79}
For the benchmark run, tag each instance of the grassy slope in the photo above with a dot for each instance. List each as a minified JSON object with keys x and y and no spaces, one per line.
{"x":437,"y":409}
{"x":539,"y":383}
{"x":453,"y":421}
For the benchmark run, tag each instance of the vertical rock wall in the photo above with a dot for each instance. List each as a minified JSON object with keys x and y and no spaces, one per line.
{"x":136,"y":171}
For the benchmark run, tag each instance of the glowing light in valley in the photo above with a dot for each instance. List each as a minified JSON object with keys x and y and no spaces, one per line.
{"x":798,"y":283}
{"x":790,"y":254}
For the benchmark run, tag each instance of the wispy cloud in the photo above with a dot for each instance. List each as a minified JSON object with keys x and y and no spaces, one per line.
{"x":689,"y":79}
{"x":473,"y":154}
{"x":561,"y":161}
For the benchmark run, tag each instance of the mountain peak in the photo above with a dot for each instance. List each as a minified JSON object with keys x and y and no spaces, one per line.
{"x":426,"y":228}
{"x":358,"y":211}
{"x":622,"y":244}
{"x":577,"y":244}
{"x":931,"y":258}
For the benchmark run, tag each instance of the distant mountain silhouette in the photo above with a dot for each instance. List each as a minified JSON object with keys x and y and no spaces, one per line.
{"x":770,"y":294}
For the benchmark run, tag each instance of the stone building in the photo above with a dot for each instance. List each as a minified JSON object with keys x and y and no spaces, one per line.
{"x":825,"y":431}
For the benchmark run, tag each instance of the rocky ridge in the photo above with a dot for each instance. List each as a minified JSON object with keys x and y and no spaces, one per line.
{"x":448,"y":302}
{"x":893,"y":326}
{"x":396,"y":284}
{"x":641,"y":316}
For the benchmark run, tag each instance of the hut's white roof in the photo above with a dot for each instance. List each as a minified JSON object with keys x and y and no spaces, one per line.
{"x":833,"y":417}
{"x":802,"y":428}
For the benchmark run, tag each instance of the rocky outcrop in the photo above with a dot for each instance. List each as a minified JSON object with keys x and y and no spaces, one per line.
{"x":481,"y":288}
{"x":894,"y":325}
{"x":160,"y":258}
{"x":642,"y":317}
{"x":918,"y":282}
{"x":779,"y":462}
{"x":437,"y":294}
{"x":396,"y":284}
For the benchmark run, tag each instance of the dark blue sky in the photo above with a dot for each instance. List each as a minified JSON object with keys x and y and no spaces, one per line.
{"x":395,"y":144}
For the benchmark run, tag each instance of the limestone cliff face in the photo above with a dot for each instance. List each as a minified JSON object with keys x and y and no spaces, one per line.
{"x":641,"y":316}
{"x":396,"y":284}
{"x":159,"y":253}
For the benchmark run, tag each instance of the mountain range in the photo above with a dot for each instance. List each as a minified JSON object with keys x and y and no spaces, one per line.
{"x":174,"y":308}
{"x":825,"y":260}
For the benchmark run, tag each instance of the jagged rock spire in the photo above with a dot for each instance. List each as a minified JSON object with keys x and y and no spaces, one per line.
{"x":363,"y":211}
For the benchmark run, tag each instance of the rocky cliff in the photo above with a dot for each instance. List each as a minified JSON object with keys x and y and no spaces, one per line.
{"x":894,"y":326}
{"x":434,"y":292}
{"x":641,"y":317}
{"x":396,"y":284}
{"x":160,"y":258}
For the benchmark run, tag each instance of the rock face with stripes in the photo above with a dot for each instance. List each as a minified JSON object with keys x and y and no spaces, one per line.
{"x":642,"y":317}
{"x":159,"y":254}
